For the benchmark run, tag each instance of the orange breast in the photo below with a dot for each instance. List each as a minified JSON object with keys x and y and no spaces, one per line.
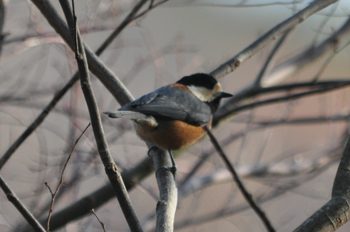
{"x":171,"y":134}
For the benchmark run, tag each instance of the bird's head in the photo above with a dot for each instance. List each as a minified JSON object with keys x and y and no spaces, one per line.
{"x":206,"y":88}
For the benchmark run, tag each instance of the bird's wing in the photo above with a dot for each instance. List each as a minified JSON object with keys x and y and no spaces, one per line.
{"x":173,"y":103}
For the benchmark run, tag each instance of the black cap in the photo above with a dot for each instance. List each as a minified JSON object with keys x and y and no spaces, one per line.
{"x":200,"y":80}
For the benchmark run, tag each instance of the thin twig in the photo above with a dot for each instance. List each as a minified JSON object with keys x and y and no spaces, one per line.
{"x":230,"y":106}
{"x":337,"y":50}
{"x":243,"y":4}
{"x":306,"y":57}
{"x":101,"y":223}
{"x":269,"y":36}
{"x":11,"y":196}
{"x":150,"y":7}
{"x":287,"y":97}
{"x":54,"y":194}
{"x":270,"y":57}
{"x":240,"y":184}
{"x":2,"y":20}
{"x":299,"y":120}
{"x":129,"y":18}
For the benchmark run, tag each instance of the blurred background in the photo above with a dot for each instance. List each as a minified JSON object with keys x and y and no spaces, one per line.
{"x":287,"y":153}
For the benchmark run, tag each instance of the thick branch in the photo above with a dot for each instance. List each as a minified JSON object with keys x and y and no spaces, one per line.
{"x":167,"y":203}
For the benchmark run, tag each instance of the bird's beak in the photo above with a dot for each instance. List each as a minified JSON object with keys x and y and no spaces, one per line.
{"x":225,"y":95}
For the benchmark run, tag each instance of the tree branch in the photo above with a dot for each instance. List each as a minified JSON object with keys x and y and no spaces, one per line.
{"x":302,"y":60}
{"x":336,"y":212}
{"x":249,"y":198}
{"x":54,"y":194}
{"x":11,"y":196}
{"x":110,"y":167}
{"x":2,"y":21}
{"x":49,"y":12}
{"x":230,"y":107}
{"x":105,"y":188}
{"x":269,"y":36}
{"x":166,"y":207}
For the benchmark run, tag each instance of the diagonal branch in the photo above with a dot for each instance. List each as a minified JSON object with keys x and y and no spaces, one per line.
{"x":11,"y":196}
{"x":269,"y":36}
{"x":261,"y":214}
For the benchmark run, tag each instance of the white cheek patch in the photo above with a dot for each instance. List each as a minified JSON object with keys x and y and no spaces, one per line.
{"x":205,"y":94}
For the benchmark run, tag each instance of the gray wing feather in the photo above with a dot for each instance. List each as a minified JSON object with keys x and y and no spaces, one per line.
{"x":172,"y":103}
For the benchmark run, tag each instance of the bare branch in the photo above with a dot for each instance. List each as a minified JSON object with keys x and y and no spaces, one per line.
{"x":230,"y":107}
{"x":102,"y":195}
{"x":105,"y":75}
{"x":132,"y":176}
{"x":54,"y":194}
{"x":2,"y":21}
{"x":49,"y":12}
{"x":242,"y":5}
{"x":167,"y":203}
{"x":150,"y":7}
{"x":37,"y":122}
{"x":269,"y":36}
{"x":330,"y":156}
{"x":11,"y":196}
{"x":101,"y":223}
{"x":282,"y":169}
{"x":270,"y":57}
{"x":299,"y":120}
{"x":336,"y":212}
{"x":110,"y":167}
{"x":314,"y":53}
{"x":239,"y":183}
{"x":129,"y":18}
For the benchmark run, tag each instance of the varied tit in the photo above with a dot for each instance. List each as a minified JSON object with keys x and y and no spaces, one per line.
{"x":173,"y":117}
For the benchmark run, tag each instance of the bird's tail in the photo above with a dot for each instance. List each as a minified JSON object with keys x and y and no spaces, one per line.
{"x":132,"y":115}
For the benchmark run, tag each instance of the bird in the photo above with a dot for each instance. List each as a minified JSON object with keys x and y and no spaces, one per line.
{"x":174,"y":116}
